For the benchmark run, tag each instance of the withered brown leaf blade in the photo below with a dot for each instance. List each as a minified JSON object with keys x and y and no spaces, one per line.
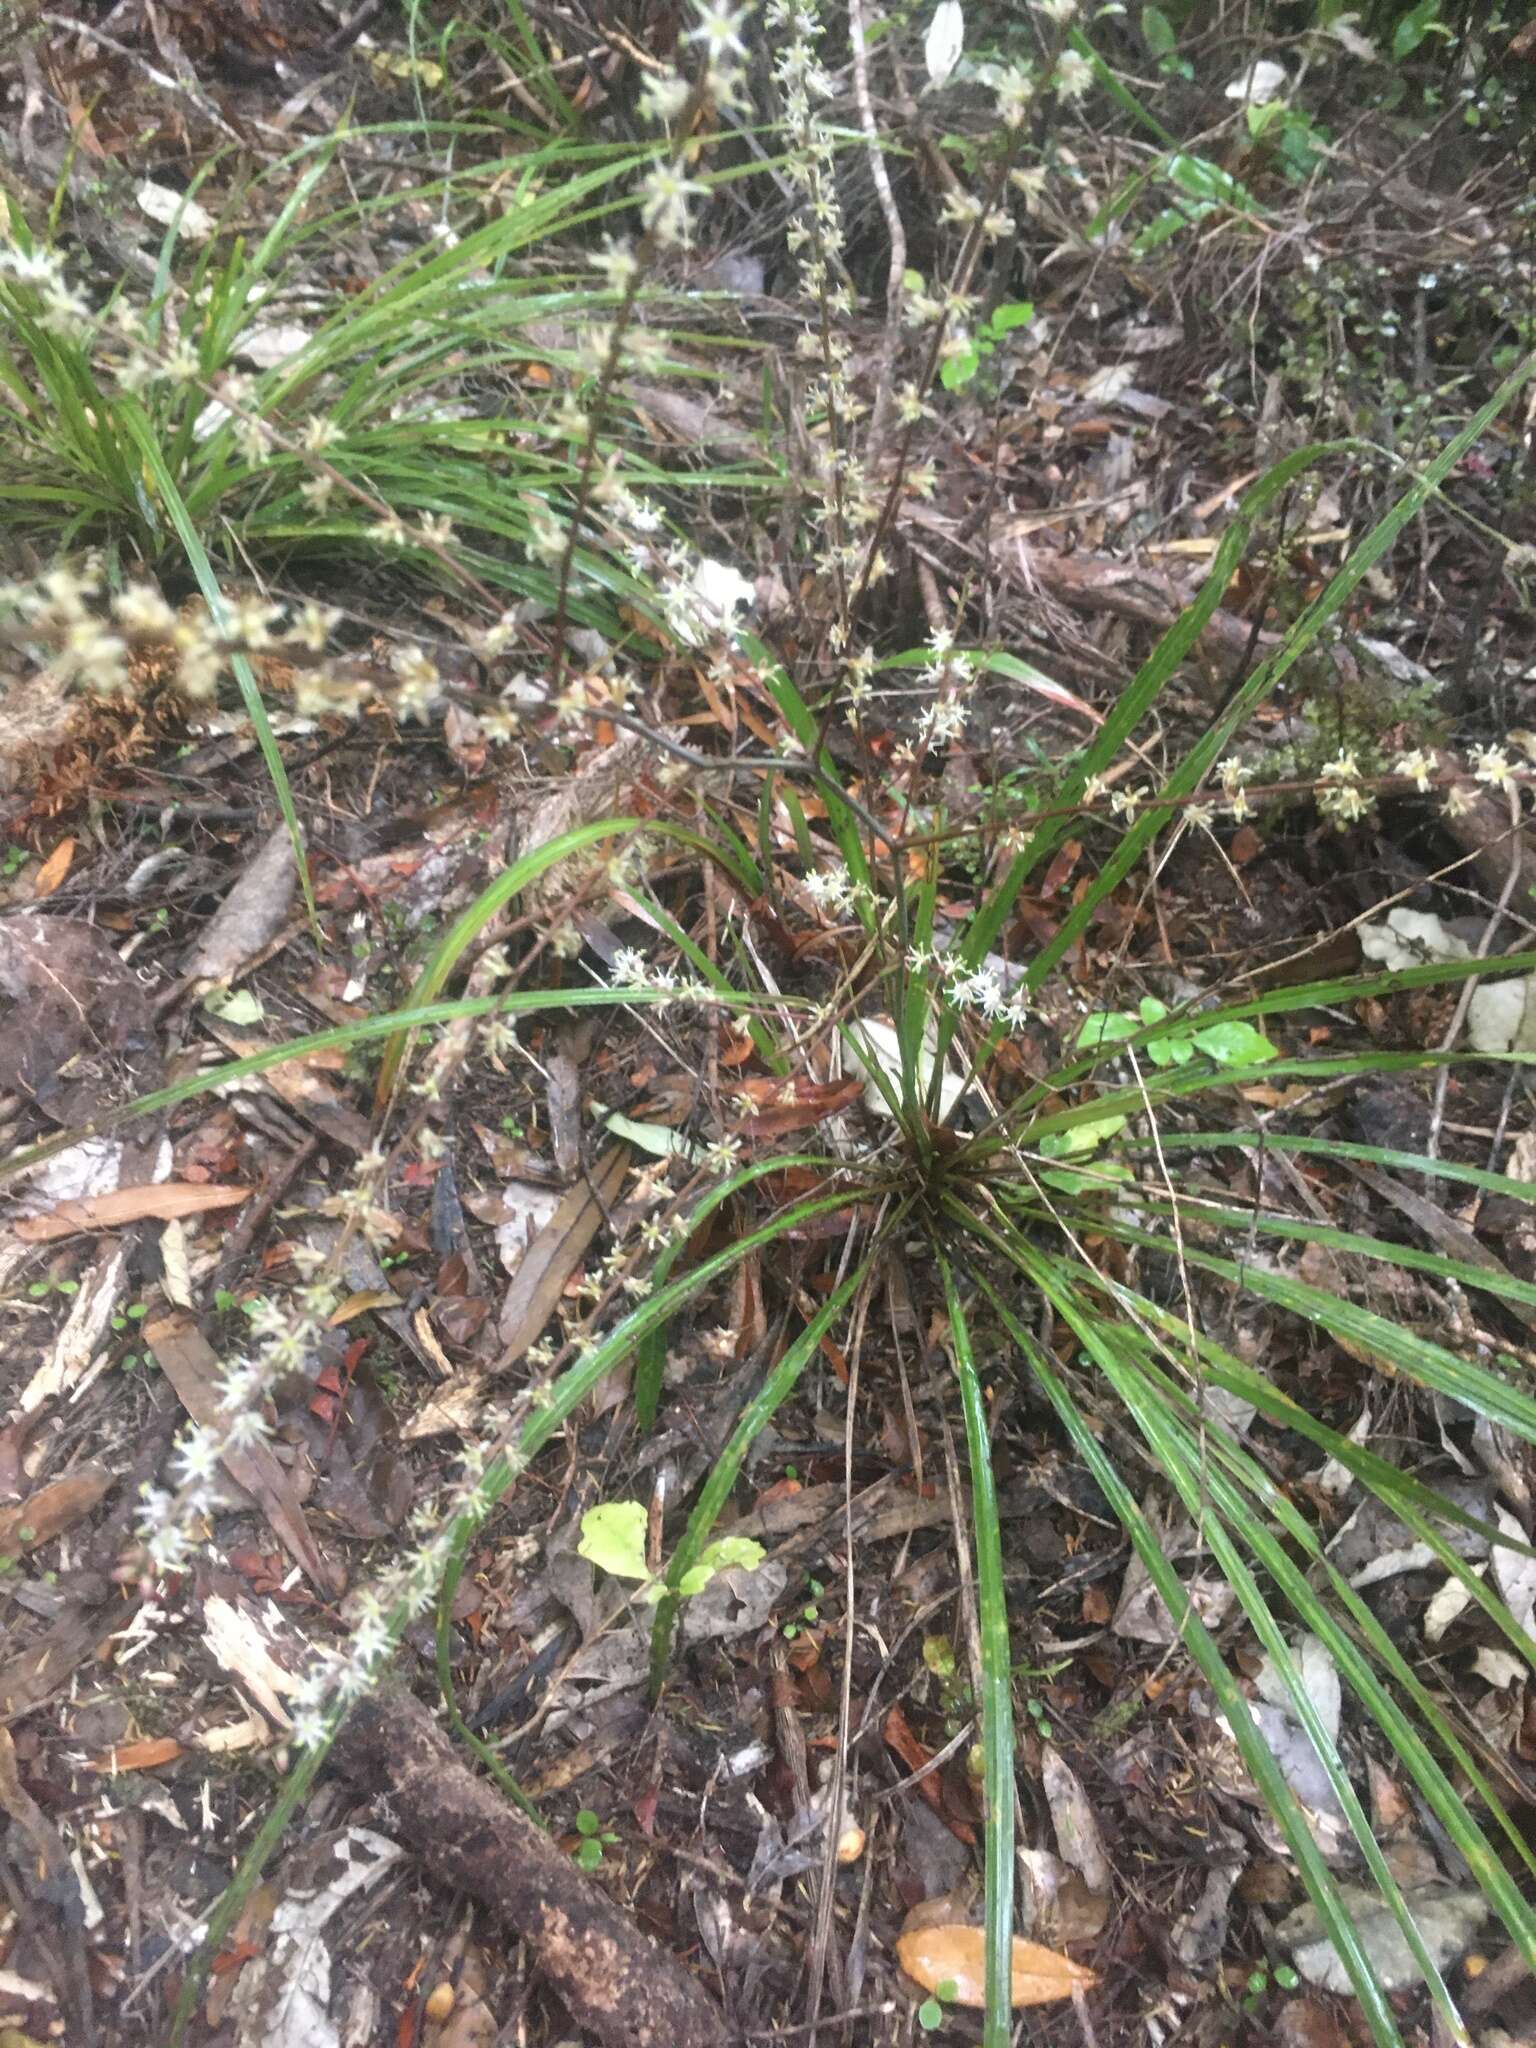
{"x":163,"y":1201}
{"x":555,"y":1253}
{"x":193,"y":1368}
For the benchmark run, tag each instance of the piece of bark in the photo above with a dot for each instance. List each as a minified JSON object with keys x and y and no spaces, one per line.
{"x":1484,"y":830}
{"x":51,"y":1510}
{"x":612,"y":1978}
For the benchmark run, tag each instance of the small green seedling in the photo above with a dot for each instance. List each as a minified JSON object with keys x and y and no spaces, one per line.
{"x":809,"y":1614}
{"x":1282,"y":1977}
{"x":613,"y":1538}
{"x":594,"y":1839}
{"x":960,"y":368}
{"x":39,"y":1290}
{"x":1036,"y":1711}
{"x":135,"y":1312}
{"x":1232,"y":1043}
{"x":930,"y":2014}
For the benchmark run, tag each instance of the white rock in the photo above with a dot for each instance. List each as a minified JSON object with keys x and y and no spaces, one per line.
{"x":1263,"y":81}
{"x":163,"y":204}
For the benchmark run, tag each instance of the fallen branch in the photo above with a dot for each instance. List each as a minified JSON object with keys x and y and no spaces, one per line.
{"x":614,"y":1979}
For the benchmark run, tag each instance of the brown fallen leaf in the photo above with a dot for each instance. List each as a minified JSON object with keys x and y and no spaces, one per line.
{"x":194,"y":1369}
{"x":302,"y":1084}
{"x":555,"y":1253}
{"x":51,"y":1510}
{"x":357,"y":1305}
{"x":251,"y":915}
{"x":53,"y":870}
{"x":956,"y":1956}
{"x":163,"y":1201}
{"x":916,"y":1755}
{"x":795,"y":1105}
{"x":145,"y":1755}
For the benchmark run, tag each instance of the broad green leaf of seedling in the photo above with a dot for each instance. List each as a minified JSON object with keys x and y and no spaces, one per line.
{"x":1235,"y":1043}
{"x":613,"y":1538}
{"x":719,"y":1556}
{"x":1080,"y":1138}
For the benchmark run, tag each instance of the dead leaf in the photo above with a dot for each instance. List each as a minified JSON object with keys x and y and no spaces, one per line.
{"x":53,"y":869}
{"x":194,"y":1369}
{"x":357,"y":1305}
{"x":1077,"y":1832}
{"x":240,"y":1647}
{"x":555,"y":1254}
{"x":17,"y":1802}
{"x":52,"y":1509}
{"x":147,"y":1755}
{"x":1446,"y":1920}
{"x":955,"y":1955}
{"x":301,"y":1084}
{"x":282,"y":1997}
{"x":898,"y":1734}
{"x":251,"y":915}
{"x":164,"y":1201}
{"x":470,"y":2022}
{"x":795,"y":1105}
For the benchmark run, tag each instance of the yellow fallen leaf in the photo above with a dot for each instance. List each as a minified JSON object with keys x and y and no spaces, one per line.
{"x":53,"y":869}
{"x":955,"y":1956}
{"x":359,"y":1304}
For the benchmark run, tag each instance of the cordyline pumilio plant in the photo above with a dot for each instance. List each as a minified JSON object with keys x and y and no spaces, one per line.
{"x":1003,"y":1190}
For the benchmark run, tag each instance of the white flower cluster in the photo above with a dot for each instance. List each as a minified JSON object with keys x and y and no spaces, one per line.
{"x":287,"y":1337}
{"x":379,"y":1614}
{"x":66,"y":622}
{"x":951,"y":676}
{"x":631,"y":971}
{"x":849,"y":507}
{"x":54,"y":303}
{"x":981,"y":989}
{"x":667,"y":193}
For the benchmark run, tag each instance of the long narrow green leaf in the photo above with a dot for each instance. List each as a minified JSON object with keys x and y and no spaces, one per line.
{"x":754,"y":1419}
{"x":341,"y":1038}
{"x":1202,"y":1647}
{"x":1448,"y":1802}
{"x":996,"y":1703}
{"x":467,"y":927}
{"x":136,"y":421}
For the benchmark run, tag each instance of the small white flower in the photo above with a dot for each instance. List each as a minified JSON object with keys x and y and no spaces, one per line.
{"x":142,"y":611}
{"x":663,"y":96}
{"x":1458,"y":800}
{"x":721,"y":1157}
{"x":719,"y":30}
{"x":616,"y":261}
{"x":1074,"y":75}
{"x":1493,"y":766}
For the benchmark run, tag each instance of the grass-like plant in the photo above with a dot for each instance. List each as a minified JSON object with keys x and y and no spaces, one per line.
{"x":348,"y":444}
{"x":1007,"y":1198}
